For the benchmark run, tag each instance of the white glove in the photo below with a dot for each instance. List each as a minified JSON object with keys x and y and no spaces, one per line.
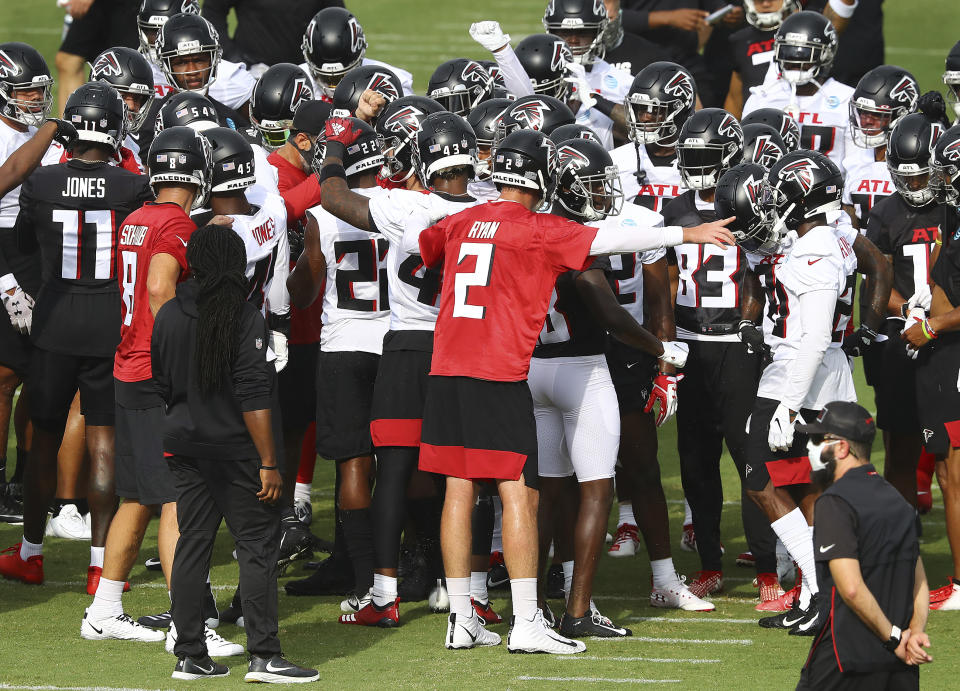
{"x":581,"y":90}
{"x":921,"y":298}
{"x":489,"y":35}
{"x":675,"y":353}
{"x":278,"y":344}
{"x":780,"y":436}
{"x":916,"y":314}
{"x":19,"y":307}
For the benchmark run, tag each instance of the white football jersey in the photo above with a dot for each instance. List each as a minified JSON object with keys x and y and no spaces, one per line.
{"x":264,"y":234}
{"x":232,"y":87}
{"x":406,"y":79}
{"x":10,"y":141}
{"x":866,"y":182}
{"x":628,"y":268}
{"x":356,"y":304}
{"x":613,"y":84}
{"x":483,"y":190}
{"x":266,"y":175}
{"x":661,"y":183}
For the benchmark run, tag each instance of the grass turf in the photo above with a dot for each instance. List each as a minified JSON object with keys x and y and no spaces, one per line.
{"x":40,"y":644}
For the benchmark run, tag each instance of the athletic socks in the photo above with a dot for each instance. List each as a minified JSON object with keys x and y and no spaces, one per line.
{"x":96,"y":558}
{"x":523,"y":592}
{"x":107,"y":601}
{"x":28,"y":549}
{"x":794,"y":532}
{"x":687,"y":513}
{"x":664,"y":573}
{"x":478,"y":587}
{"x":496,"y":544}
{"x":384,"y":590}
{"x":626,"y":514}
{"x":458,"y":590}
{"x":567,"y":577}
{"x":358,"y":534}
{"x":301,"y":491}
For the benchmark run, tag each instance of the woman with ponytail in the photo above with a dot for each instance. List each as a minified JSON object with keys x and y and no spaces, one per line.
{"x":209,"y":363}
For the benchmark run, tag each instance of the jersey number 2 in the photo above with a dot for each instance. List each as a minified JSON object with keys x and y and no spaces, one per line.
{"x":480,"y":277}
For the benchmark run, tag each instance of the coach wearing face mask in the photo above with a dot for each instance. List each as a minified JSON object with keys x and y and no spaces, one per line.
{"x":867,"y":552}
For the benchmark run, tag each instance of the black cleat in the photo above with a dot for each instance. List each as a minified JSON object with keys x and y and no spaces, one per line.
{"x":811,"y":624}
{"x":296,"y":541}
{"x":199,"y":668}
{"x":11,"y":503}
{"x":153,"y":564}
{"x":555,"y":582}
{"x":497,"y":576}
{"x":276,"y":670}
{"x":332,"y":577}
{"x":156,"y":621}
{"x":785,"y":620}
{"x":591,"y":624}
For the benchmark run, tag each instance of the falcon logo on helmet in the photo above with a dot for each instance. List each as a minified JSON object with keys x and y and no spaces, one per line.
{"x":301,"y":94}
{"x":107,"y":65}
{"x":905,"y":91}
{"x":531,"y":112}
{"x":568,"y":156}
{"x":473,"y":72}
{"x":951,"y":152}
{"x":801,"y":172}
{"x":729,"y":127}
{"x":551,"y":155}
{"x":404,"y":121}
{"x":765,"y":151}
{"x":381,"y":83}
{"x":752,"y":187}
{"x":561,"y":55}
{"x":680,"y":86}
{"x":8,"y":68}
{"x":190,"y":7}
{"x":357,"y":39}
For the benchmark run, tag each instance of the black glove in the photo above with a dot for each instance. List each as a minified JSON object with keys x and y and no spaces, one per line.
{"x":295,"y":239}
{"x":856,"y":344}
{"x":750,"y":336}
{"x":66,"y":133}
{"x":933,"y":106}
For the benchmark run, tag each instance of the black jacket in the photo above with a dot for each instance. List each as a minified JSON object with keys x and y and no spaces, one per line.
{"x":208,"y":426}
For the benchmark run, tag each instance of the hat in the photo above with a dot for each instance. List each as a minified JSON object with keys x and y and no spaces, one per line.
{"x":842,"y":419}
{"x":311,"y":117}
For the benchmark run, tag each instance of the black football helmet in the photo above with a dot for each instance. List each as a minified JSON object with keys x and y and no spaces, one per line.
{"x":743,"y":192}
{"x":186,"y":109}
{"x":710,"y":142}
{"x":98,"y":113}
{"x":493,"y":69}
{"x":537,"y":112}
{"x":586,"y":17}
{"x":909,"y":150}
{"x":768,"y":21}
{"x":365,"y":153}
{"x":346,"y":97}
{"x":459,"y":85}
{"x":945,"y":167}
{"x":188,"y":34}
{"x":762,"y":145}
{"x":588,"y":184}
{"x":883,"y":96}
{"x":804,"y":47}
{"x":528,"y":159}
{"x":129,"y":73}
{"x":575,"y":130}
{"x":22,"y":68}
{"x":660,"y":99}
{"x":804,"y":184}
{"x":778,"y":120}
{"x":333,"y":44}
{"x":275,"y":98}
{"x":181,"y":155}
{"x":544,"y":58}
{"x":951,"y":77}
{"x":397,"y":127}
{"x":443,"y":141}
{"x":483,"y":119}
{"x":154,"y":14}
{"x":232,"y":158}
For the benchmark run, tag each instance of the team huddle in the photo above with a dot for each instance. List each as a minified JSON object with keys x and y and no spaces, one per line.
{"x":481,"y":303}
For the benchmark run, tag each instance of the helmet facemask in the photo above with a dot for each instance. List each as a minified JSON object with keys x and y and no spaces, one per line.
{"x":913,"y":182}
{"x":952,"y":79}
{"x":651,"y":121}
{"x":870,"y":124}
{"x":27,"y":111}
{"x":591,"y":197}
{"x":167,"y":59}
{"x":768,"y":21}
{"x":701,"y":164}
{"x":802,"y":62}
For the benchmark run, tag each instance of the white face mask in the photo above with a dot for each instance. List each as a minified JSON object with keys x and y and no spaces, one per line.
{"x":814,"y":451}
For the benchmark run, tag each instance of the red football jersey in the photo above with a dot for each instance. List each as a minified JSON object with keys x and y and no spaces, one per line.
{"x":500,"y":265}
{"x":151,"y":229}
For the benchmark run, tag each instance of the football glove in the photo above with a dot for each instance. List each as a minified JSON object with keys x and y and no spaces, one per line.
{"x":675,"y":353}
{"x":934,"y":107}
{"x":489,"y":35}
{"x":665,"y":393}
{"x":66,"y":133}
{"x":19,"y":308}
{"x":278,"y":344}
{"x":581,"y":89}
{"x":780,"y":435}
{"x":856,"y":343}
{"x":914,"y":315}
{"x":921,"y":298}
{"x":341,"y":130}
{"x":750,"y":336}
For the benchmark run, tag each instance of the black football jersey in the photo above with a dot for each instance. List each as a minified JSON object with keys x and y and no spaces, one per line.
{"x":570,"y":329}
{"x":73,"y":212}
{"x":708,"y":291}
{"x":907,"y":234}
{"x":946,"y":272}
{"x":752,"y":55}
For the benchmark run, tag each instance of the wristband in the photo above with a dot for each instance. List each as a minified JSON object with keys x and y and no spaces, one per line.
{"x":335,"y":149}
{"x":268,"y":467}
{"x":928,"y":330}
{"x":843,"y":10}
{"x":892,"y":643}
{"x":332,"y":170}
{"x":603,"y":105}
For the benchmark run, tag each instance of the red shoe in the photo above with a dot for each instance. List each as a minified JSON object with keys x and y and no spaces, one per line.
{"x":706,"y":583}
{"x":688,"y":539}
{"x":746,"y":559}
{"x":486,"y":613}
{"x":925,"y":470}
{"x":16,"y":569}
{"x":625,"y":542}
{"x":940,"y":594}
{"x":772,"y":597}
{"x":93,"y":580}
{"x":370,"y":615}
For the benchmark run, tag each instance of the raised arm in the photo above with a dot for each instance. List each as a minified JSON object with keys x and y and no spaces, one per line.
{"x":335,"y":196}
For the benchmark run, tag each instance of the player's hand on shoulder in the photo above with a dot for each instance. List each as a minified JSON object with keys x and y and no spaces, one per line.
{"x":222,"y":220}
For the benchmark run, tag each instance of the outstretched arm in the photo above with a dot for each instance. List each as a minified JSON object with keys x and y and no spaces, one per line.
{"x":600,"y":299}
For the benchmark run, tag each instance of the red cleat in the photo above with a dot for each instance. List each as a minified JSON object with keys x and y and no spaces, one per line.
{"x":16,"y":569}
{"x":370,"y":615}
{"x":746,"y":559}
{"x":940,"y":594}
{"x":486,"y":613}
{"x":706,"y":583}
{"x":93,"y":580}
{"x":772,"y":597}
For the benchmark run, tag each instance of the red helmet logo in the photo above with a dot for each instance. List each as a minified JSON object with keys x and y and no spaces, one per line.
{"x":107,"y":65}
{"x":570,"y":157}
{"x":357,"y":40}
{"x":905,"y":91}
{"x":800,"y":172}
{"x":729,"y":127}
{"x":561,"y":55}
{"x":190,"y":7}
{"x":383,"y":85}
{"x":531,"y":113}
{"x":765,"y":151}
{"x":404,"y":121}
{"x":951,"y":152}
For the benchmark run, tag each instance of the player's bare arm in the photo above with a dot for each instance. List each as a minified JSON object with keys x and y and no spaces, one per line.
{"x":335,"y":196}
{"x":656,"y":300}
{"x":306,"y":279}
{"x":260,"y":430}
{"x":879,"y":284}
{"x":162,"y":279}
{"x":857,"y":596}
{"x":25,"y":159}
{"x":596,"y":292}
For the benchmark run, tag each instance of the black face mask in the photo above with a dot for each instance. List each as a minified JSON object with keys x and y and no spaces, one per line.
{"x":824,"y":478}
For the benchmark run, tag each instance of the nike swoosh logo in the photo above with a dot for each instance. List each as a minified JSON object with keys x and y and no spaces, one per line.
{"x":185,"y":242}
{"x":472,"y":637}
{"x":271,"y":668}
{"x":809,"y":624}
{"x":632,"y":364}
{"x":787,"y":622}
{"x":210,"y":671}
{"x":811,"y":262}
{"x":827,"y":548}
{"x":99,"y":631}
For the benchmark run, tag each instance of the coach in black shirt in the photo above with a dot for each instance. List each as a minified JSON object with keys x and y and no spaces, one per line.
{"x":868,"y":560}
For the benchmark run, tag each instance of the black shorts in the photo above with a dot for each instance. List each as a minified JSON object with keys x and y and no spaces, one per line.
{"x":479,"y":430}
{"x":56,"y":378}
{"x":15,"y":348}
{"x":400,"y":392}
{"x":895,"y":390}
{"x":108,"y":24}
{"x":344,"y":397}
{"x":938,"y":401}
{"x":790,"y":467}
{"x":632,"y":372}
{"x":141,"y":470}
{"x":297,"y":384}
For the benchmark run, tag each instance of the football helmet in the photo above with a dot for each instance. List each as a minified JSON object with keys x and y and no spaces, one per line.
{"x":333,"y":44}
{"x":186,"y":109}
{"x":232,"y":159}
{"x":181,"y":155}
{"x":364,"y":154}
{"x":528,"y":159}
{"x":483,"y":119}
{"x":128,"y":72}
{"x":493,"y":69}
{"x":804,"y":184}
{"x":22,"y":68}
{"x":909,"y":149}
{"x":951,"y":77}
{"x":188,"y":34}
{"x":588,"y":184}
{"x":544,"y":58}
{"x":762,"y":145}
{"x":537,"y":112}
{"x":945,"y":167}
{"x":98,"y":113}
{"x":459,"y":85}
{"x":778,"y":120}
{"x":883,"y":96}
{"x":804,"y":47}
{"x":743,"y":192}
{"x":275,"y":98}
{"x":581,"y":23}
{"x":768,"y":21}
{"x":443,"y":141}
{"x":573,"y":131}
{"x":397,"y":127}
{"x":710,"y":142}
{"x":660,"y":99}
{"x":154,"y":14}
{"x":346,"y":97}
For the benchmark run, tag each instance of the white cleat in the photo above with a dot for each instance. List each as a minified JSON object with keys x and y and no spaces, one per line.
{"x":534,"y":636}
{"x":354,"y":604}
{"x":468,"y":632}
{"x":121,"y":627}
{"x":69,"y":524}
{"x":625,"y":542}
{"x":217,"y":645}
{"x":678,"y":596}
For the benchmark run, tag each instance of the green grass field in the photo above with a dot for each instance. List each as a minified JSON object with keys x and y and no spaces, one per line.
{"x":40,"y":646}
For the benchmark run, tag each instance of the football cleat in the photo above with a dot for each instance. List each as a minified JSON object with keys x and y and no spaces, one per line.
{"x":688,"y":538}
{"x":277,"y":670}
{"x":93,"y":580}
{"x":812,"y":621}
{"x":946,"y":598}
{"x":234,"y":613}
{"x":189,"y":668}
{"x":772,"y":597}
{"x":153,"y":564}
{"x":746,"y":559}
{"x":69,"y":524}
{"x":296,"y":541}
{"x":332,"y":577}
{"x":485,"y":612}
{"x":217,"y":645}
{"x":591,"y":624}
{"x":11,"y":503}
{"x":14,"y":568}
{"x":156,"y":621}
{"x":785,"y":620}
{"x":497,"y":576}
{"x":625,"y":542}
{"x":706,"y":583}
{"x":303,"y":510}
{"x":370,"y":615}
{"x":355,"y":603}
{"x":439,"y":599}
{"x":555,"y":582}
{"x":534,"y":636}
{"x":121,"y":627}
{"x":468,"y":632}
{"x":678,"y":596}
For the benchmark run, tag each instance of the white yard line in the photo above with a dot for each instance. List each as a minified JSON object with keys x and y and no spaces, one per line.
{"x":694,"y":620}
{"x":600,"y":680}
{"x":698,"y":641}
{"x":669,"y":660}
{"x":72,"y":688}
{"x":72,"y":584}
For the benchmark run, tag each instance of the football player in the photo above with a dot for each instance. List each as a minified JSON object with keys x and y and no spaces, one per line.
{"x":780,"y":121}
{"x":459,"y":85}
{"x":129,"y":73}
{"x":483,"y":119}
{"x":951,"y":77}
